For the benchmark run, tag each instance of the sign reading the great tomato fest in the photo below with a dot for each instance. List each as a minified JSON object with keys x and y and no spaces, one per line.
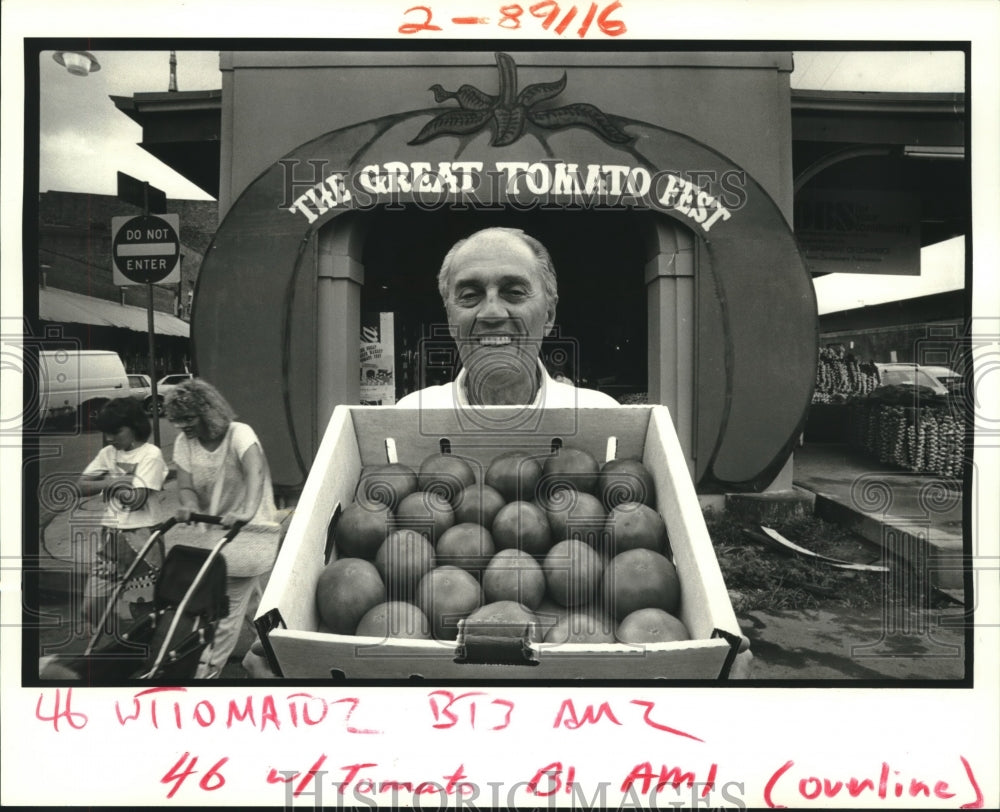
{"x":560,"y":182}
{"x":146,"y":250}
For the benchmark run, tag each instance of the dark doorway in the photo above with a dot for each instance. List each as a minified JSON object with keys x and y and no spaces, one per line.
{"x":601,"y":333}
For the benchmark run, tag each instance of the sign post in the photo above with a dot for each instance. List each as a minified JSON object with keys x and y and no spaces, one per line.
{"x":146,"y":250}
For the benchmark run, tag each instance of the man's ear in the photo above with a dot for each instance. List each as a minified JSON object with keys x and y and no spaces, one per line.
{"x":550,"y":316}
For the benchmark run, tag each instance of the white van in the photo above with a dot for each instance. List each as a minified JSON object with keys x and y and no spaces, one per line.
{"x":77,"y":383}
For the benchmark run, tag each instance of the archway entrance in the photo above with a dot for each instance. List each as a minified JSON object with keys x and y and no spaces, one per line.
{"x":289,"y":283}
{"x":601,"y":335}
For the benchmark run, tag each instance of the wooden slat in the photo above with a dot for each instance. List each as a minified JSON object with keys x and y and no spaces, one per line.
{"x":705,"y":604}
{"x":418,"y":432}
{"x":292,"y":586}
{"x":312,"y":655}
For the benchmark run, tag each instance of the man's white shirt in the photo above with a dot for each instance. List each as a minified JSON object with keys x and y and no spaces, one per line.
{"x":551,"y":395}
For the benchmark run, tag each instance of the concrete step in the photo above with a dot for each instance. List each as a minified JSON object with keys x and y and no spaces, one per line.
{"x":772,"y":506}
{"x":913,"y":517}
{"x":934,"y":550}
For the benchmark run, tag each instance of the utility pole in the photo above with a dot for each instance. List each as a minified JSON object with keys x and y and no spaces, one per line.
{"x":151,"y":330}
{"x":146,"y":250}
{"x":172,"y":87}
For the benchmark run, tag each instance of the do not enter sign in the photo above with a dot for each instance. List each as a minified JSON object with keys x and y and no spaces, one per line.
{"x":146,"y":249}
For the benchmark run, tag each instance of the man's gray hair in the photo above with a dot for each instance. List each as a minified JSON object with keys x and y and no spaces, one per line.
{"x":544,"y":265}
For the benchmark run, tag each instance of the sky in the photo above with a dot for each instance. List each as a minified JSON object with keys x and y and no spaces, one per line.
{"x":85,"y":141}
{"x":942,"y":268}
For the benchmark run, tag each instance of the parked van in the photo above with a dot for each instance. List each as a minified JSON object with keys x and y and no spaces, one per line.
{"x":77,"y":383}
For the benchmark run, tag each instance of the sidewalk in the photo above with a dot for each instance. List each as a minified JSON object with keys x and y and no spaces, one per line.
{"x":56,"y":534}
{"x":917,"y":517}
{"x":848,"y":644}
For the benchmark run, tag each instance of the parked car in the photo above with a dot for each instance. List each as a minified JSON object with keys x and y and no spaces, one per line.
{"x":140,"y":387}
{"x":163,"y":386}
{"x":908,"y":374}
{"x":951,"y":380}
{"x":74,"y":384}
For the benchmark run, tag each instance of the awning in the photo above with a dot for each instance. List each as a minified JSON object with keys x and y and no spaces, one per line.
{"x":63,"y":306}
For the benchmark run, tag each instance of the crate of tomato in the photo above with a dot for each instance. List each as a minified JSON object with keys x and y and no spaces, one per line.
{"x":498,"y":543}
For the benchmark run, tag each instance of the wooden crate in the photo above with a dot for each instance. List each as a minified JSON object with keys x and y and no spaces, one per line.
{"x":288,"y":622}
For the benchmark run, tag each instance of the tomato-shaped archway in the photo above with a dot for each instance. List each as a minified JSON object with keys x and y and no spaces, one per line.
{"x":256,"y":331}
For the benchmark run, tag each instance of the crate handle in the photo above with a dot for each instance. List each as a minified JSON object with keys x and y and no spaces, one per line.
{"x":734,"y":641}
{"x":612,"y":449}
{"x":331,"y":532}
{"x":445,"y":445}
{"x":485,"y":647}
{"x":264,"y":625}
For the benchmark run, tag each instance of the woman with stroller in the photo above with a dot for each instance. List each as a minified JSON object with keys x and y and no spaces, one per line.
{"x":130,"y":473}
{"x":221,"y":470}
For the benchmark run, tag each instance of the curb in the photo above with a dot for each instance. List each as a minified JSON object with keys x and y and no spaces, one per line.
{"x":771,"y":506}
{"x":929,"y":550}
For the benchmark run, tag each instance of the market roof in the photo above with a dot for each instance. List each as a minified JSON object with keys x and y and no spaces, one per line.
{"x":911,"y":142}
{"x":181,"y":129}
{"x":63,"y":306}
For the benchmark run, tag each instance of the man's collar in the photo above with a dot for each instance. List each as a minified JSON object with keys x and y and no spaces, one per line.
{"x":462,"y":398}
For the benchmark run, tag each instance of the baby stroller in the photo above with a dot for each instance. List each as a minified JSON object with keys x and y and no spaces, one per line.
{"x":166,"y":642}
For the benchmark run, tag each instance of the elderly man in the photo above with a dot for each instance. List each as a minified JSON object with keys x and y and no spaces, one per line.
{"x":499,"y":291}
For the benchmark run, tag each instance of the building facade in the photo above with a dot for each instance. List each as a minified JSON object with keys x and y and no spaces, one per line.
{"x":665,"y":184}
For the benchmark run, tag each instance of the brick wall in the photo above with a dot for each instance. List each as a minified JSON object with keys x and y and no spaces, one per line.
{"x":74,"y":246}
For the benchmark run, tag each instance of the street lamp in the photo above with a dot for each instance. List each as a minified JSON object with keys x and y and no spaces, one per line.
{"x":79,"y":63}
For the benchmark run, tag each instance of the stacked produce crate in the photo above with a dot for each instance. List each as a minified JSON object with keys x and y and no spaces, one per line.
{"x":840,"y":376}
{"x":927,"y":439}
{"x":305,"y":618}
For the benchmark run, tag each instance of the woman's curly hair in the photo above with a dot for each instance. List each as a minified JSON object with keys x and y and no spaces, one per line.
{"x":198,"y":397}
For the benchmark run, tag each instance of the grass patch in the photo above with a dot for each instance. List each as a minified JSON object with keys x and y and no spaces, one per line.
{"x":761,"y":576}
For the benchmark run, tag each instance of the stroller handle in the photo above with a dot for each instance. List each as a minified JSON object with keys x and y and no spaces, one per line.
{"x":206,"y":518}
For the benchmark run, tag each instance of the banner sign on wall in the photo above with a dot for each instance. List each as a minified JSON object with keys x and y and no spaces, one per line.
{"x":548,"y":183}
{"x":850,"y":231}
{"x":378,"y":373}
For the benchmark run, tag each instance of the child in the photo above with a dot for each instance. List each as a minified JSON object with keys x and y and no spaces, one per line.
{"x":128,"y":471}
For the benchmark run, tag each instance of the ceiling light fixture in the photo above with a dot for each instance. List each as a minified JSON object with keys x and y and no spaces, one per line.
{"x":79,"y":63}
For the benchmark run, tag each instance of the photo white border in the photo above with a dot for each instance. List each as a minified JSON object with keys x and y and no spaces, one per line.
{"x":747,"y":732}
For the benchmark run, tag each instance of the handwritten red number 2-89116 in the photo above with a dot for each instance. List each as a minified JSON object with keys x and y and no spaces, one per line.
{"x":548,"y":11}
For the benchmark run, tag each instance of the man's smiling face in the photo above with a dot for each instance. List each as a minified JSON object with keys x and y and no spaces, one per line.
{"x":497,"y":307}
